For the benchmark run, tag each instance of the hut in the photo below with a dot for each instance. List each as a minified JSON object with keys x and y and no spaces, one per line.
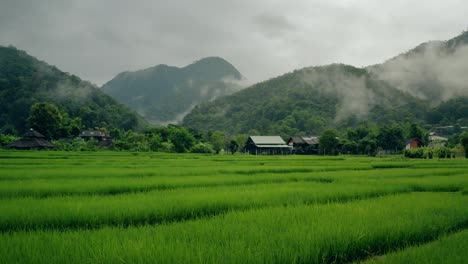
{"x":304,"y":145}
{"x":103,"y":139}
{"x":413,"y":143}
{"x":436,"y":141}
{"x":271,"y":145}
{"x":31,"y":140}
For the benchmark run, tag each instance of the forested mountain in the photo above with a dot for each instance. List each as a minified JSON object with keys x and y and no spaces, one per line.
{"x":409,"y":87}
{"x":164,"y":94}
{"x":307,"y":101}
{"x":24,"y":81}
{"x":434,"y":71}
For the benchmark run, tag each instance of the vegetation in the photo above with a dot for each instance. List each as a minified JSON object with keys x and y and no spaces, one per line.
{"x":163,"y":94}
{"x":144,"y":207}
{"x":464,"y":143}
{"x":25,"y":81}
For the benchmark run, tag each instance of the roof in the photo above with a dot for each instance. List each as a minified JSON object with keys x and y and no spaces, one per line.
{"x":310,"y":140}
{"x":92,"y":133}
{"x":267,"y":140}
{"x":29,"y":142}
{"x":33,"y":134}
{"x":412,"y":139}
{"x":272,"y":146}
{"x":296,"y":140}
{"x":437,"y":138}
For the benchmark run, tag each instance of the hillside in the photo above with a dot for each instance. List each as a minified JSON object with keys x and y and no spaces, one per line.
{"x":408,"y":87}
{"x":307,"y":101}
{"x":434,"y":71}
{"x":164,"y":94}
{"x":24,"y":80}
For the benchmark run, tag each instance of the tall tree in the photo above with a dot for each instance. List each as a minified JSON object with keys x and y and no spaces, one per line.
{"x":464,"y":143}
{"x":329,"y":142}
{"x":47,"y":119}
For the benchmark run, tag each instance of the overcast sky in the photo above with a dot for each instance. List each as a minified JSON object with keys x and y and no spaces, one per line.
{"x":98,"y":39}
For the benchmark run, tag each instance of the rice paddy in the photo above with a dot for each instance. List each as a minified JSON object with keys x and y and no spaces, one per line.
{"x":115,"y":207}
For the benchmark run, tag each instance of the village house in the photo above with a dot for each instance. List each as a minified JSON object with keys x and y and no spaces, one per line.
{"x":436,"y":140}
{"x":271,"y":145}
{"x":413,"y":143}
{"x":304,"y":145}
{"x":32,"y":140}
{"x":103,"y":139}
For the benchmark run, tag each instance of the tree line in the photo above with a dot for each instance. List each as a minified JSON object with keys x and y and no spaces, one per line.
{"x":365,"y":139}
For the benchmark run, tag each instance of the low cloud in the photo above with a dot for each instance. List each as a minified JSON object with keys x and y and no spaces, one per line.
{"x":433,"y":72}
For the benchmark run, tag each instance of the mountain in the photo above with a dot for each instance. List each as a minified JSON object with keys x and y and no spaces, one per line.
{"x":434,"y":71}
{"x":408,"y":87}
{"x":25,"y":80}
{"x":164,"y":94}
{"x":307,"y":101}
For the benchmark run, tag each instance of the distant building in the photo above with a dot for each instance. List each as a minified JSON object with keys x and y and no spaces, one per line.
{"x":304,"y":145}
{"x":413,"y":143}
{"x":436,"y":140}
{"x":271,"y":145}
{"x":32,"y":140}
{"x":103,"y":139}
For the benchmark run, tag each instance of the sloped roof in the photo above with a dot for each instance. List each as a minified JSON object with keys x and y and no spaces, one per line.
{"x":30,"y":142}
{"x":296,"y":140}
{"x":92,"y":133}
{"x":437,"y":138}
{"x":311,"y":140}
{"x":33,"y":134}
{"x":267,"y":140}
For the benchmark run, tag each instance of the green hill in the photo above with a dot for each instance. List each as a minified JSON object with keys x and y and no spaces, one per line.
{"x":164,"y":94}
{"x":434,"y":71}
{"x":24,"y":80}
{"x":408,"y":87}
{"x":307,"y":101}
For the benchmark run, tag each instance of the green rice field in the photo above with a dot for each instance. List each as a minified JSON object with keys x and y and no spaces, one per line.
{"x":117,"y":207}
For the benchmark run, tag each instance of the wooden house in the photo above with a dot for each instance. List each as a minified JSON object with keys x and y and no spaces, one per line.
{"x":271,"y":145}
{"x":413,"y":143}
{"x":103,"y":139}
{"x":304,"y":145}
{"x":31,"y":140}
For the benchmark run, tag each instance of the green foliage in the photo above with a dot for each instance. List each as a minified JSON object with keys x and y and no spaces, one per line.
{"x":233,"y":146}
{"x":203,"y":148}
{"x":7,"y":139}
{"x":329,"y":142}
{"x":429,"y":153}
{"x":24,"y":81}
{"x":391,"y":137}
{"x":217,"y":140}
{"x":464,"y":143}
{"x":46,"y":119}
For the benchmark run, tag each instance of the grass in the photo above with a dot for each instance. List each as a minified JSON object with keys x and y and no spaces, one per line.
{"x":330,"y":233}
{"x":109,"y":207}
{"x":448,"y":249}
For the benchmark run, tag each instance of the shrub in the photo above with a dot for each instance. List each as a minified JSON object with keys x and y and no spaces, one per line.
{"x":203,"y":148}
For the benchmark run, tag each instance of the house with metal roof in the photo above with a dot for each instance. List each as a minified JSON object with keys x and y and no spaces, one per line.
{"x":304,"y":145}
{"x":436,"y":141}
{"x":31,"y":140}
{"x":270,"y":145}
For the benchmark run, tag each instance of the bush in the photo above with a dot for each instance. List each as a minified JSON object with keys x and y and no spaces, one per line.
{"x":202,"y":148}
{"x":429,"y":153}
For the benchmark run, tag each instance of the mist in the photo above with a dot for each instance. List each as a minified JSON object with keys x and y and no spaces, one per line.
{"x":431,"y":72}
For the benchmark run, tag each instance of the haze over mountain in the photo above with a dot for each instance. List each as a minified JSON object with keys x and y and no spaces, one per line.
{"x":434,"y":71}
{"x":405,"y":88}
{"x":164,"y":94}
{"x":25,"y":80}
